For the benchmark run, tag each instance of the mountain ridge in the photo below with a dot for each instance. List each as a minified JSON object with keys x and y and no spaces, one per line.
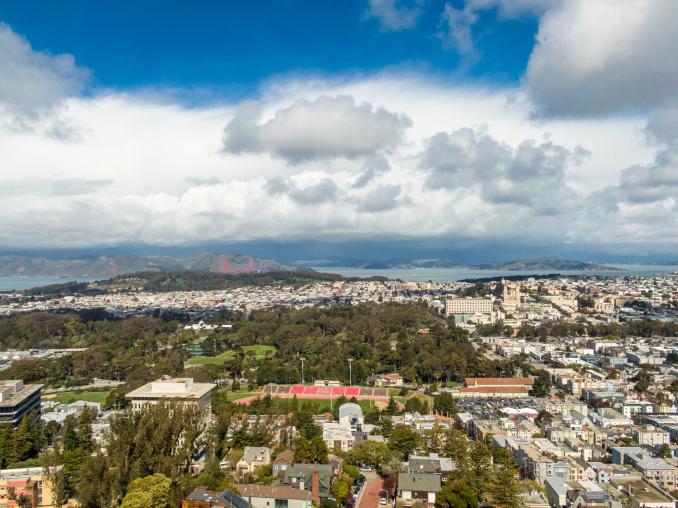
{"x":113,"y":266}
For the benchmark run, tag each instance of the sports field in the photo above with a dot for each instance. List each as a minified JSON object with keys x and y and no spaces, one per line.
{"x":88,"y":396}
{"x":256,"y":352}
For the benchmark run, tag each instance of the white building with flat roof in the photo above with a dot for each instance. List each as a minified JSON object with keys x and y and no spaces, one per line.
{"x":468,"y":306}
{"x":181,"y":389}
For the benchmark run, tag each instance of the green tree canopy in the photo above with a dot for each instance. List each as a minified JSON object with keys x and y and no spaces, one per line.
{"x":154,"y":490}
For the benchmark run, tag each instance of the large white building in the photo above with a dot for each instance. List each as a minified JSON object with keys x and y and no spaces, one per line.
{"x":468,"y":306}
{"x":170,"y":389}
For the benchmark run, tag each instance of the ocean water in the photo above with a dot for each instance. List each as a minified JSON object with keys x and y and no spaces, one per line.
{"x":465,"y":272}
{"x":19,"y":283}
{"x":410,"y":274}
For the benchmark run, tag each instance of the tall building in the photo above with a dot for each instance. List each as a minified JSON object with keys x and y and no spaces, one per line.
{"x":511,"y":294}
{"x":17,"y":400}
{"x":172,"y":390}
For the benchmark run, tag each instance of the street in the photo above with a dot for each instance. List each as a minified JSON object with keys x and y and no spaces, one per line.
{"x":369,"y":498}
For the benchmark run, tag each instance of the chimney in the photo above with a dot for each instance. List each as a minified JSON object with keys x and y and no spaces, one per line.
{"x":315,"y":486}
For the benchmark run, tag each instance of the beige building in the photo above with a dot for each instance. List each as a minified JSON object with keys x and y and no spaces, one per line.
{"x":651,"y":436}
{"x":27,"y":482}
{"x":468,"y":306}
{"x":172,"y":390}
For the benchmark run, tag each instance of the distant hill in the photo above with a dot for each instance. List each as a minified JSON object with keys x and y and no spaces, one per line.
{"x":112,"y":266}
{"x":185,"y":280}
{"x":410,"y":263}
{"x":547,"y":263}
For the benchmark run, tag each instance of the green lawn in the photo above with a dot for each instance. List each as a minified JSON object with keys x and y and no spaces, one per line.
{"x":68,"y":397}
{"x":257,"y":351}
{"x":260,"y":351}
{"x":241,"y":394}
{"x":220,"y":359}
{"x":324,"y":404}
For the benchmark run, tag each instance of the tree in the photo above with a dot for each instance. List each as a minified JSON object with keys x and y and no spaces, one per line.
{"x":303,"y":421}
{"x":6,"y":444}
{"x":53,"y":473}
{"x":95,"y":482}
{"x":313,"y":451}
{"x":444,"y":403}
{"x":84,"y":431}
{"x":26,"y":439}
{"x":505,"y":488}
{"x":480,"y":465}
{"x":340,"y":490}
{"x":154,"y":490}
{"x":542,"y":385}
{"x":457,"y":494}
{"x":456,"y":448}
{"x":403,"y":440}
{"x":664,"y":452}
{"x":371,"y":453}
{"x":391,"y":407}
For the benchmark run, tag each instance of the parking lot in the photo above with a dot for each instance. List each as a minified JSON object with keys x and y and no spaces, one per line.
{"x":488,"y":408}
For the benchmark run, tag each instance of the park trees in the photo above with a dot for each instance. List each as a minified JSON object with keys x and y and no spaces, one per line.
{"x":154,"y":490}
{"x":371,"y":453}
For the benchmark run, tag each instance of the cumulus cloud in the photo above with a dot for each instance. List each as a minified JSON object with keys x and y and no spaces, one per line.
{"x":603,"y":57}
{"x":33,"y":82}
{"x":165,"y":178}
{"x":373,"y":168}
{"x":380,"y":199}
{"x":326,"y":127}
{"x":313,"y":193}
{"x":457,"y":23}
{"x":533,"y":175}
{"x":395,"y":15}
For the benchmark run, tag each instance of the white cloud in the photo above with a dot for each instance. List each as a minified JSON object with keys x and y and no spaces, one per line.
{"x":395,"y":15}
{"x":458,"y":23}
{"x":33,"y":82}
{"x":153,"y":171}
{"x":326,"y":127}
{"x":604,"y":56}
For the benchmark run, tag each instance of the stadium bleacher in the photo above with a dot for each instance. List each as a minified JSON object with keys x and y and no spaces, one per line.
{"x":302,"y":391}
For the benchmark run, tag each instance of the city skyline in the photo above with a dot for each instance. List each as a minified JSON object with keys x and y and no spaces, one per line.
{"x":543,"y":126}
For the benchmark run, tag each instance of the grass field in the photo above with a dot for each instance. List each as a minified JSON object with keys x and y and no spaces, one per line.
{"x":324,"y":404}
{"x":240,"y":394}
{"x":68,"y":397}
{"x":225,"y":357}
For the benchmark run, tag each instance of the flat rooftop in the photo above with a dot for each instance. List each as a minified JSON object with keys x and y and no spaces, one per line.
{"x":14,"y":392}
{"x":172,"y":388}
{"x":643,"y":491}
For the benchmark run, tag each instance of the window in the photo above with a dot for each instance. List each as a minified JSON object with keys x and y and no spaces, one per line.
{"x":281,"y":503}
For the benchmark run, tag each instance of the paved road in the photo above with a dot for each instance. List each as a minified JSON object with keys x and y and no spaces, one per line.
{"x":370,"y":495}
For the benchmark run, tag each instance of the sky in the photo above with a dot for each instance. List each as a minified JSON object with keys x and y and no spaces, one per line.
{"x":540,"y":126}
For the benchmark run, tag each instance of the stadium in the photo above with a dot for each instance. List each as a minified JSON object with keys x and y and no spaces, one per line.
{"x":379,"y":396}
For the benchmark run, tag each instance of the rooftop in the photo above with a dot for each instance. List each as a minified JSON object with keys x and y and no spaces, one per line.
{"x":172,"y":388}
{"x":417,"y":482}
{"x":274,"y":492}
{"x":12,"y":392}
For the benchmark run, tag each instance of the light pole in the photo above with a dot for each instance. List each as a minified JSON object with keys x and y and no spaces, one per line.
{"x":350,"y":372}
{"x":302,"y":369}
